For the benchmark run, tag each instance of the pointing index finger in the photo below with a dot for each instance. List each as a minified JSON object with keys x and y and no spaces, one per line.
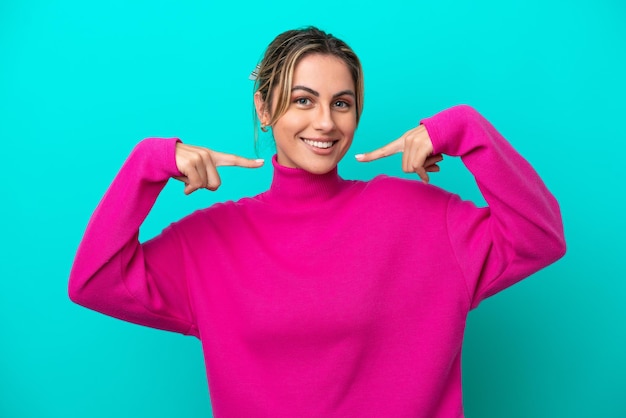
{"x":391,"y":148}
{"x":222,"y":159}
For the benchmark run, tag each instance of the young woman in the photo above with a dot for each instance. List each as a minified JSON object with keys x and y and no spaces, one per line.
{"x":322,"y":297}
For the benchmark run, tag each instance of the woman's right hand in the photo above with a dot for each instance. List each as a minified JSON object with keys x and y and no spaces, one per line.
{"x":198,"y":166}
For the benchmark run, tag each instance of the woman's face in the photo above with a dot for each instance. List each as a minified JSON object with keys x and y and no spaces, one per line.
{"x":317,"y":129}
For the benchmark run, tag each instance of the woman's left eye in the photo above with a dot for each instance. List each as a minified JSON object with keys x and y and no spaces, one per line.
{"x":342,"y":103}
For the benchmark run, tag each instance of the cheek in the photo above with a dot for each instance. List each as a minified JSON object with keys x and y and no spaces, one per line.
{"x":290,"y":125}
{"x":347,"y":125}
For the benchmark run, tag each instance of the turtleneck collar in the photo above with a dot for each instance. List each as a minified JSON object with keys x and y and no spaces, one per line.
{"x":296,"y":186}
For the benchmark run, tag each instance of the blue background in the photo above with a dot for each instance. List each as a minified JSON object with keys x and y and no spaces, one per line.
{"x":82,"y":82}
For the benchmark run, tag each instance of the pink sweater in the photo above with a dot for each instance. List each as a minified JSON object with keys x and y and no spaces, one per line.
{"x":323,"y":297}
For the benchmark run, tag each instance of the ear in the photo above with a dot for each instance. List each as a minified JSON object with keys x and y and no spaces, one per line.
{"x":261,"y":112}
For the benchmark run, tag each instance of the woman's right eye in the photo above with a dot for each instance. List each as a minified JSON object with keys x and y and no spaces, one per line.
{"x":304,"y":101}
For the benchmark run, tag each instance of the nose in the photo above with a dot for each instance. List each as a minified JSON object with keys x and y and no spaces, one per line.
{"x":323,"y":120}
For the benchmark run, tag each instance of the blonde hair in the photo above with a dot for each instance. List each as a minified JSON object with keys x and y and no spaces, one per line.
{"x":280,"y":59}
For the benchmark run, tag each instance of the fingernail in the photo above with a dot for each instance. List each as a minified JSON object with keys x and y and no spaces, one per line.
{"x":260,"y":160}
{"x":359,"y":156}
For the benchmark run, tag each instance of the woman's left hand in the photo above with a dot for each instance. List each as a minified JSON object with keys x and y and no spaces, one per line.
{"x":416,"y":148}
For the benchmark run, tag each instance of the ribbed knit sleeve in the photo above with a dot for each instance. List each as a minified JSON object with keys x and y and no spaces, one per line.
{"x":116,"y":275}
{"x":520,"y":231}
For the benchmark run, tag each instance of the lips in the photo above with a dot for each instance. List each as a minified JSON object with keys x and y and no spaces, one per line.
{"x":321,"y":144}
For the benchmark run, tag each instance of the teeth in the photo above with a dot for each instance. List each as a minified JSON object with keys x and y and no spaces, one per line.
{"x":319,"y":144}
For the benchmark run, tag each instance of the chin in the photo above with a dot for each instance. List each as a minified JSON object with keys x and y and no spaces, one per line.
{"x":318,"y":168}
{"x":319,"y":165}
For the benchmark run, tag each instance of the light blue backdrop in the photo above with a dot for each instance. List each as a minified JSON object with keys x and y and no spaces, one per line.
{"x":82,"y":82}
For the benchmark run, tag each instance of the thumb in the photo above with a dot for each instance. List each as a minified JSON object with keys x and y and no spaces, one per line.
{"x":391,"y":148}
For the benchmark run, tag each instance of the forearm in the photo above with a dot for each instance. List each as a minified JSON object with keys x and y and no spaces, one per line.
{"x":110,"y":260}
{"x":523,"y":230}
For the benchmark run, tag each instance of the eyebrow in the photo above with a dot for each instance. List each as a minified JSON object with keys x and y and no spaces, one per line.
{"x":316,"y":94}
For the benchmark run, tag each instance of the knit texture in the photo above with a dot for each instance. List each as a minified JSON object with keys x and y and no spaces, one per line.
{"x":324,"y":297}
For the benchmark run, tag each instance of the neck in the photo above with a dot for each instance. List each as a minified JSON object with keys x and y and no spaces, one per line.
{"x":295,"y":186}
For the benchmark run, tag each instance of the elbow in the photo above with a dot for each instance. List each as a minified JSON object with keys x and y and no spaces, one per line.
{"x":82,"y":297}
{"x":77,"y":292}
{"x":559,"y":244}
{"x":553,"y":237}
{"x":559,"y":247}
{"x":541,"y":247}
{"x":554,"y":245}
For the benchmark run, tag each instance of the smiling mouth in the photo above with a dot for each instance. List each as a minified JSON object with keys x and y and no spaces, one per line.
{"x":319,"y":144}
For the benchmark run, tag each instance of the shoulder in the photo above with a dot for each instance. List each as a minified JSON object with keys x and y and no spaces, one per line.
{"x":207,"y":221}
{"x":395,"y":187}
